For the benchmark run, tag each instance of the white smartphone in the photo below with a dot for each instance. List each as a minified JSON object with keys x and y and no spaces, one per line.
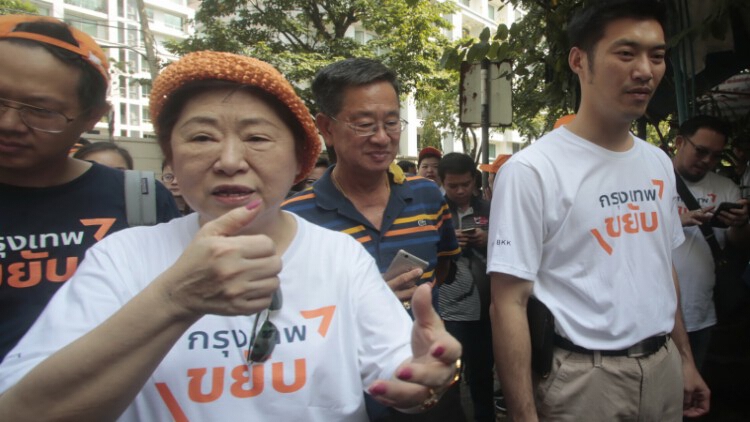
{"x":403,"y":262}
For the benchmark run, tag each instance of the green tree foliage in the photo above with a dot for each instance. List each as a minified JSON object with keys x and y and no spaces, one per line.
{"x":9,"y":7}
{"x":300,"y":36}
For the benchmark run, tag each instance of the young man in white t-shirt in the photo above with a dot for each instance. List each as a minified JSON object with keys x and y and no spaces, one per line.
{"x":585,"y":219}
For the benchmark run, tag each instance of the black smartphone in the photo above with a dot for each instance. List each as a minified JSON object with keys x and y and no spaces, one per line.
{"x":469,"y":231}
{"x":724,"y":206}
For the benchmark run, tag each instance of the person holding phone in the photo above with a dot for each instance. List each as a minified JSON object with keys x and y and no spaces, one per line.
{"x":465,"y":297}
{"x":699,"y":144}
{"x":366,"y":195}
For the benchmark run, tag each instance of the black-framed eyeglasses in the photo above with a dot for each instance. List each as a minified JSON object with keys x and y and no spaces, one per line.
{"x":37,"y":118}
{"x":369,"y":128}
{"x":167,"y":177}
{"x":703,"y":152}
{"x":263,"y":341}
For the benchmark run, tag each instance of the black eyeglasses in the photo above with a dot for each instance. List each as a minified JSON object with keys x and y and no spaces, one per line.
{"x":263,"y":341}
{"x":167,"y":177}
{"x":703,"y":152}
{"x":37,"y":118}
{"x":369,"y":127}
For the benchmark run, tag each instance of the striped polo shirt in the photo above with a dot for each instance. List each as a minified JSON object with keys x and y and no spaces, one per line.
{"x":417,"y":219}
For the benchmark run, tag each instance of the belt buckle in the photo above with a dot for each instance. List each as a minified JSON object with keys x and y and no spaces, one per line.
{"x":637,"y":350}
{"x":643,"y":348}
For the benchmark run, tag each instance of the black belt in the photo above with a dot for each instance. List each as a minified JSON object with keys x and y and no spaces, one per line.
{"x":641,"y":349}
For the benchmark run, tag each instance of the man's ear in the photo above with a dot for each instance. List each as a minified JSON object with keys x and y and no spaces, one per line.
{"x":324,"y":122}
{"x":577,"y":60}
{"x":679,"y":142}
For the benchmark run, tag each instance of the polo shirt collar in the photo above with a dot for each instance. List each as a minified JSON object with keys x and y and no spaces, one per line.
{"x":327,"y":196}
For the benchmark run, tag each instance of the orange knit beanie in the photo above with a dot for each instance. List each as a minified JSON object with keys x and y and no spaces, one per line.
{"x":214,"y":65}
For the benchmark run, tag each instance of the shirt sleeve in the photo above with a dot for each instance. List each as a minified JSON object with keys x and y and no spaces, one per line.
{"x":516,"y":234}
{"x":448,"y":244}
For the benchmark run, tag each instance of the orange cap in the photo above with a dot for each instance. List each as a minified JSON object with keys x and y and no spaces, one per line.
{"x":87,"y":48}
{"x":495,"y":166}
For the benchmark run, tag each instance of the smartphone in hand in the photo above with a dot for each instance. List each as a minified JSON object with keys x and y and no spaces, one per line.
{"x":469,"y":231}
{"x":724,"y":206}
{"x":403,"y":262}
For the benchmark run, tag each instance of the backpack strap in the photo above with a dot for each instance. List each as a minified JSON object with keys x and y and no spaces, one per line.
{"x":692,"y":204}
{"x":140,"y":197}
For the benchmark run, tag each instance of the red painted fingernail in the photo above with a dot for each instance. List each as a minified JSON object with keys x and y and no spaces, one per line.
{"x":377,"y":390}
{"x":404,"y":374}
{"x":438,"y":351}
{"x":253,"y":204}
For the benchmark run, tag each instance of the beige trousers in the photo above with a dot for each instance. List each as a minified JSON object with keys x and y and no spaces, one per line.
{"x":584,"y":387}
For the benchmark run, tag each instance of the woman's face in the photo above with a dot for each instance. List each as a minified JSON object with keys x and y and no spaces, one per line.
{"x":230,"y":148}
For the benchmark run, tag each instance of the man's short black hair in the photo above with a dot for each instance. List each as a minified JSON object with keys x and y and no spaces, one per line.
{"x":456,"y":163}
{"x":331,"y":81}
{"x":703,"y":121}
{"x":92,"y":87}
{"x":587,"y":26}
{"x":407,"y":166}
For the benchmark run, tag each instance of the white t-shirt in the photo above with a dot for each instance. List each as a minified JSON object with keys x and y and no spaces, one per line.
{"x":745,"y":180}
{"x":341,"y":328}
{"x":693,"y":260}
{"x":594,"y":230}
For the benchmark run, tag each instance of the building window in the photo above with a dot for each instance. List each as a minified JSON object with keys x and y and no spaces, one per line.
{"x":466,"y":3}
{"x":359,"y":36}
{"x":135,"y":115}
{"x":97,"y":5}
{"x":173,"y":21}
{"x":123,"y":116}
{"x":133,"y":33}
{"x":123,"y":87}
{"x":133,"y":90}
{"x":89,"y":26}
{"x":491,"y":12}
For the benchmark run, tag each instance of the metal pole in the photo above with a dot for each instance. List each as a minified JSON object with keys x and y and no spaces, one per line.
{"x":485,"y":93}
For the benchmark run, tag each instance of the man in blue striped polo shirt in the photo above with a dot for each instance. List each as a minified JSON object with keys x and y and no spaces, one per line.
{"x":365,"y":194}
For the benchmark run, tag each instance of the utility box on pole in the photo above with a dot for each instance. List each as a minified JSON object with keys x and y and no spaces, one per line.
{"x":485,"y":100}
{"x":498,"y":99}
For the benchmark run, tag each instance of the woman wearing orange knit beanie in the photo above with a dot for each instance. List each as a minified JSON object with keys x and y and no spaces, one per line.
{"x":239,"y":310}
